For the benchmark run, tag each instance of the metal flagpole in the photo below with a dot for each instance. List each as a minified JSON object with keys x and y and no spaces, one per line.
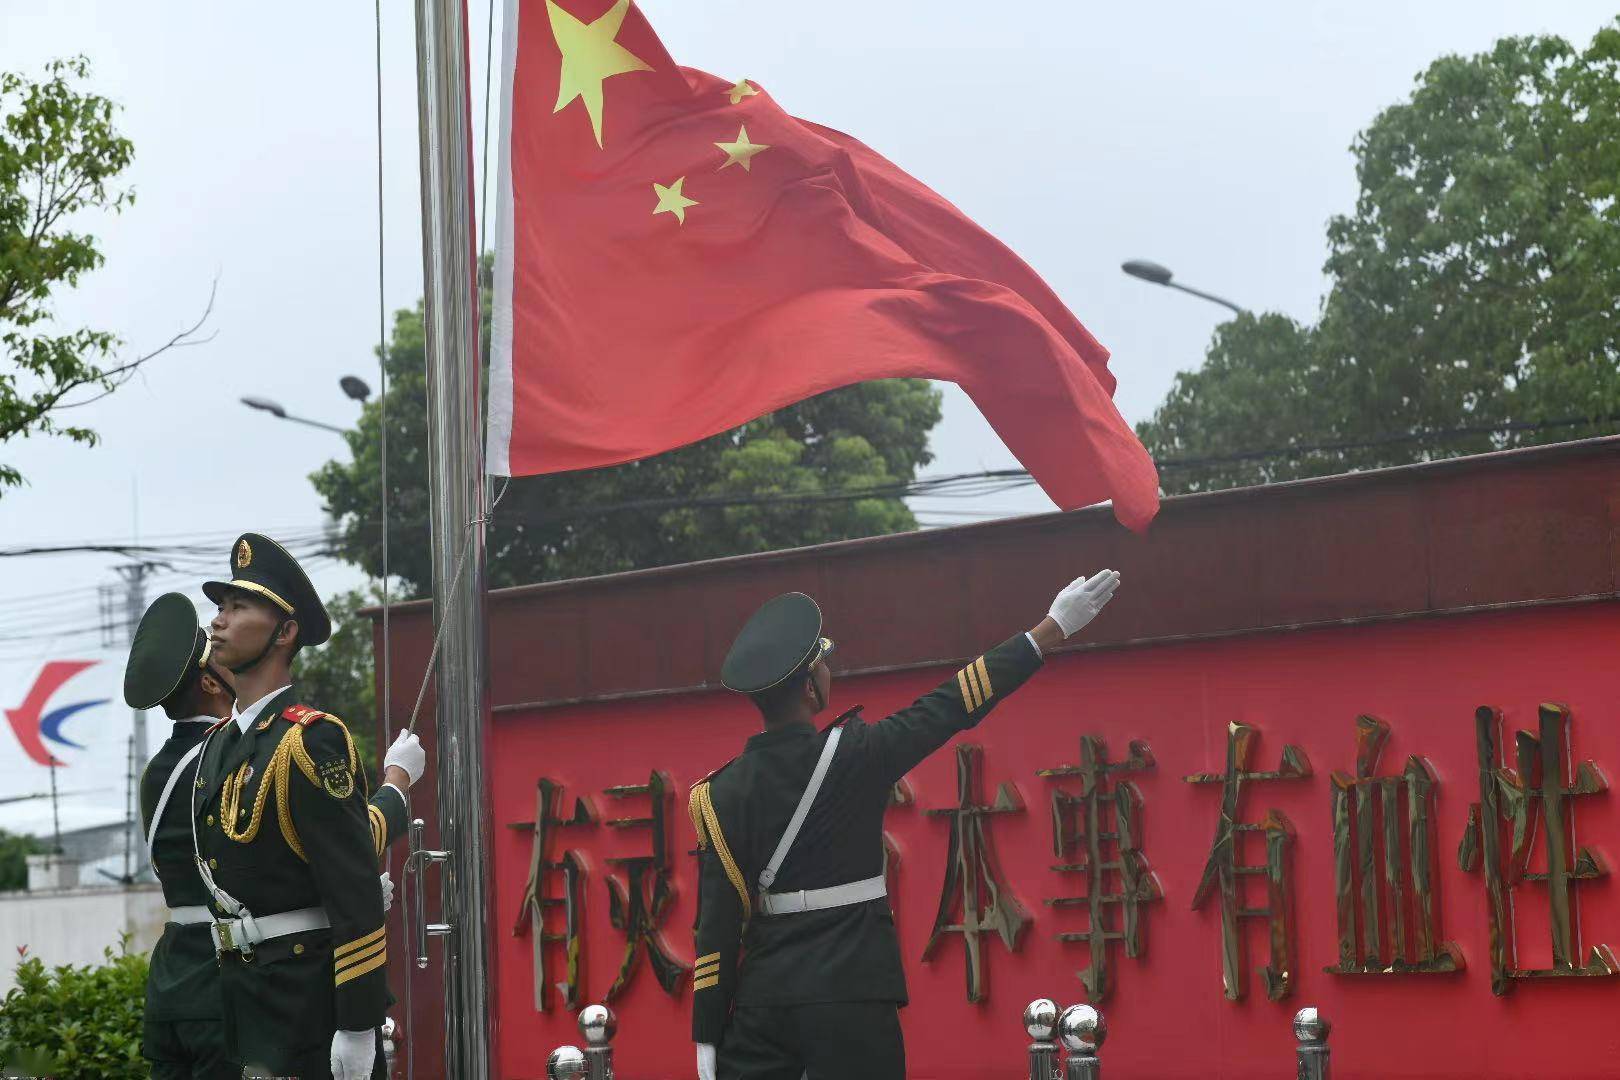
{"x":458,"y":509}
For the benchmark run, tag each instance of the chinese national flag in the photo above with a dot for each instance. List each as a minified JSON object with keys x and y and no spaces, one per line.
{"x":676,"y":255}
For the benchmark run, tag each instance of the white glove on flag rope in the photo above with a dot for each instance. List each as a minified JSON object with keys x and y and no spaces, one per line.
{"x":1081,"y":600}
{"x":407,"y":754}
{"x":705,"y":1061}
{"x":388,"y":891}
{"x":353,"y":1054}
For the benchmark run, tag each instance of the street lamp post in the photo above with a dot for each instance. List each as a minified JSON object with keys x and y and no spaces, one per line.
{"x":354,"y":387}
{"x":1160,"y":275}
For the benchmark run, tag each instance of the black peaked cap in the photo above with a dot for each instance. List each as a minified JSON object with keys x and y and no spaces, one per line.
{"x":777,"y":641}
{"x":168,"y":646}
{"x":263,"y":567}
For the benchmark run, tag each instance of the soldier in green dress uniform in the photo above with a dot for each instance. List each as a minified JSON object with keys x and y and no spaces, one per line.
{"x":798,"y":967}
{"x":288,"y":842}
{"x":170,"y":666}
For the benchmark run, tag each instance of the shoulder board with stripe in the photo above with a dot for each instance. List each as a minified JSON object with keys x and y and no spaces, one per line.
{"x":715,"y":773}
{"x":852,"y":713}
{"x":216,"y":725}
{"x":303,"y":715}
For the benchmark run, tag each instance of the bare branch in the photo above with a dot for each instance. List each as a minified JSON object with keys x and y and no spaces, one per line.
{"x":119,"y":375}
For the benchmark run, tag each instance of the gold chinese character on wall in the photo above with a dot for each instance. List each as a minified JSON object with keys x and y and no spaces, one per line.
{"x":538,"y":899}
{"x":1098,"y":833}
{"x":639,"y":905}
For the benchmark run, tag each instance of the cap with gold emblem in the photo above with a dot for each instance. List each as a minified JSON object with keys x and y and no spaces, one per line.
{"x":262,"y":567}
{"x":168,"y":647}
{"x":781,"y":639}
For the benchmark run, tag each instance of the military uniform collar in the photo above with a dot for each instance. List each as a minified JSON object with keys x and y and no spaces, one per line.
{"x":244,"y":719}
{"x":777,"y":735}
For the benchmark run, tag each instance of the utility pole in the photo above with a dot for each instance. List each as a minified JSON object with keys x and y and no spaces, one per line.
{"x":134,"y":575}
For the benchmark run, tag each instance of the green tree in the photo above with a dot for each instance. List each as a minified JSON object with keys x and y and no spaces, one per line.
{"x":1472,"y":287}
{"x":14,"y":852}
{"x":339,"y":676}
{"x":863,"y":437}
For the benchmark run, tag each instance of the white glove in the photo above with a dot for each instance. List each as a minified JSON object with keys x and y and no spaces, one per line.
{"x":705,"y":1054}
{"x":388,"y":891}
{"x":407,"y":754}
{"x":1081,"y":600}
{"x":353,"y":1054}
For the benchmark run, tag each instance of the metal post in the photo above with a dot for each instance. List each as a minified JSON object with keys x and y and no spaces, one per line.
{"x":598,"y":1024}
{"x":1311,"y":1029}
{"x":1082,"y":1030}
{"x":134,"y":576}
{"x":456,"y":476}
{"x":1040,"y":1023}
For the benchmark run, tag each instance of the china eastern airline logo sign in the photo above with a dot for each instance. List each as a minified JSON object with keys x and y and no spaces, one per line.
{"x":46,"y":707}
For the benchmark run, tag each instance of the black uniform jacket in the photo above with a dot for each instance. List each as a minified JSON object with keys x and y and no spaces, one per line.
{"x":183,"y":983}
{"x":284,"y":823}
{"x":840,"y":954}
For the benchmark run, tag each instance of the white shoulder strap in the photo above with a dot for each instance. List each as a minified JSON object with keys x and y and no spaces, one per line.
{"x":768,"y":875}
{"x":163,"y":799}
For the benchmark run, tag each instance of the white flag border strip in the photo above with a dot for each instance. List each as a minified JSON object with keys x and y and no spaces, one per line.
{"x":498,"y":449}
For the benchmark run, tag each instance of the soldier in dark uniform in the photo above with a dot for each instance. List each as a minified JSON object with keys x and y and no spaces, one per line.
{"x":287,"y":841}
{"x":170,"y":666}
{"x":798,"y":967}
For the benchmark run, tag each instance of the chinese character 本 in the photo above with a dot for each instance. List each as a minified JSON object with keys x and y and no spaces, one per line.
{"x":1357,"y":801}
{"x":639,"y":905}
{"x":537,"y":899}
{"x":1098,"y":833}
{"x":1223,"y":870}
{"x":1508,"y":802}
{"x":970,"y":874}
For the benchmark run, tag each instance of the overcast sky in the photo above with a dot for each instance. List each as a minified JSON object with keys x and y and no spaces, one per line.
{"x":1212,"y":138}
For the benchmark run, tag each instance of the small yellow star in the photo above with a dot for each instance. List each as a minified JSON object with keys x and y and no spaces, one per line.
{"x":740,"y":91}
{"x":672,"y":201}
{"x":742,"y":151}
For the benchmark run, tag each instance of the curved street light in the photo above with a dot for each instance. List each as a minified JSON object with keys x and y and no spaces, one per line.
{"x":274,"y":408}
{"x":1160,"y":275}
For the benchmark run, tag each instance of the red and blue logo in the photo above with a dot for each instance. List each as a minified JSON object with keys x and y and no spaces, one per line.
{"x":34,"y":721}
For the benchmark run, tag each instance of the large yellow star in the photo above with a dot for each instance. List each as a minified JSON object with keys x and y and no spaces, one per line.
{"x":672,"y":201}
{"x":740,"y":91}
{"x":742,"y":151}
{"x":590,"y":55}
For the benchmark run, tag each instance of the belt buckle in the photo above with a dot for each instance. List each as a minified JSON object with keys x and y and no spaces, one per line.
{"x":222,"y":932}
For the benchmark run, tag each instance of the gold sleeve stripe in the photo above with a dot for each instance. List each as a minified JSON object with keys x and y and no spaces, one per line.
{"x":713,"y":957}
{"x":967,"y":695}
{"x":704,"y":984}
{"x":707,"y":969}
{"x":361,"y":969}
{"x":984,"y":678}
{"x":379,"y":828}
{"x":359,"y":942}
{"x":978,"y":687}
{"x":360,"y":957}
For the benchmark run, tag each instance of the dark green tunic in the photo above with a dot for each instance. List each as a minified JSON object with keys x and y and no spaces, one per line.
{"x":311,"y":840}
{"x":844,"y":954}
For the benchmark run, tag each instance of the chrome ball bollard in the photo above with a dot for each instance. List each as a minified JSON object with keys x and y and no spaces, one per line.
{"x":1041,"y":1019}
{"x":565,"y":1062}
{"x":1082,"y":1029}
{"x":598,"y":1025}
{"x":1311,"y":1026}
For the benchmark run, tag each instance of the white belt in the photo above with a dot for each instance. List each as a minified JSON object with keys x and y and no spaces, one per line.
{"x":189,"y":916}
{"x":244,"y":932}
{"x":791,"y":903}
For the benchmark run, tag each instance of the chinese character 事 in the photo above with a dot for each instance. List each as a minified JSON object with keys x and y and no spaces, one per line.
{"x":1098,"y":833}
{"x":971,"y":879}
{"x":1223,"y":870}
{"x":1508,"y":799}
{"x":537,"y":899}
{"x":638,"y":907}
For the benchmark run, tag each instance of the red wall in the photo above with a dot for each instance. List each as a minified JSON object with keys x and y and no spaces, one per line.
{"x":1167,"y":1017}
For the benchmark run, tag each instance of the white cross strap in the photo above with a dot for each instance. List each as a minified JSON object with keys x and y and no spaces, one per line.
{"x":163,"y":799}
{"x":800,"y":812}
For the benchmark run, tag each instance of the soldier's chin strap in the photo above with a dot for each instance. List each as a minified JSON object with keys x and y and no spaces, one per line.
{"x":269,"y":644}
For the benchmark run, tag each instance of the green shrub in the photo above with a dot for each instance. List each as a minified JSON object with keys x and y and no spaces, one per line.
{"x":76,"y":1023}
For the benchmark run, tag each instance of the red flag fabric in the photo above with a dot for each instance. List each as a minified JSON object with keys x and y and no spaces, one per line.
{"x":676,"y":255}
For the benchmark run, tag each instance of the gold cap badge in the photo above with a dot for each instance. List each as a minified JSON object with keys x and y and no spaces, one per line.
{"x":244,"y":554}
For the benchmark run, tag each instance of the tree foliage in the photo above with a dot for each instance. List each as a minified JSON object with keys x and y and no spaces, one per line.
{"x":1474,"y":285}
{"x":868,"y":437}
{"x":339,"y":677}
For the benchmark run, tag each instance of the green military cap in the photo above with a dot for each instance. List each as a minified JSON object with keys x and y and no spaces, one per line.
{"x":168,"y":646}
{"x":781,"y":639}
{"x":263,"y":567}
